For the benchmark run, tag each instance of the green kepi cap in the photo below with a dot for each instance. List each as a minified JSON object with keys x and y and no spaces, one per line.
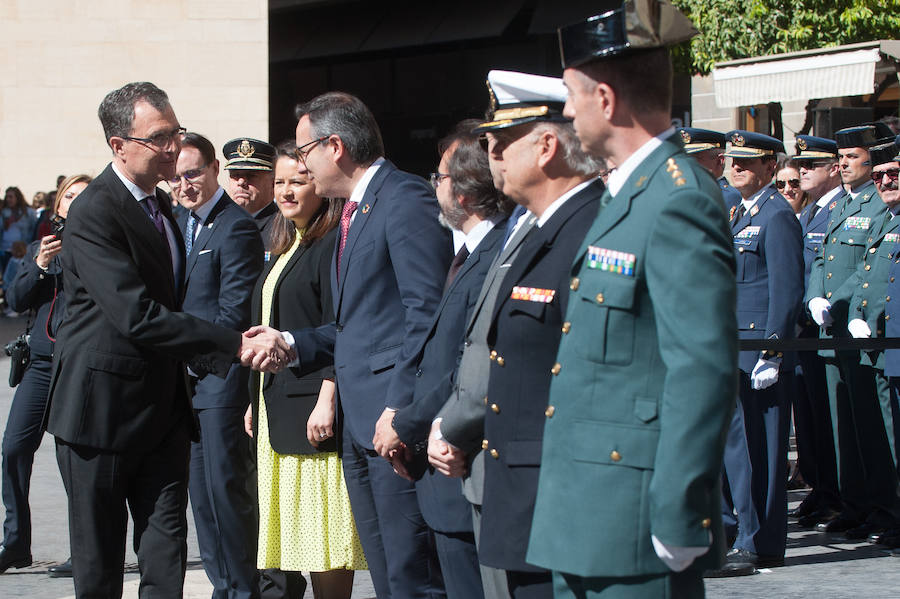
{"x":635,"y":25}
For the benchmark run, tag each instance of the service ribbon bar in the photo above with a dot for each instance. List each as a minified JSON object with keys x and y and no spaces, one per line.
{"x":857,"y":222}
{"x":533,"y":294}
{"x":611,"y":260}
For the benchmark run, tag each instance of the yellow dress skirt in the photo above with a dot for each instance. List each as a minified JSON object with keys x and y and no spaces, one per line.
{"x":305,"y":520}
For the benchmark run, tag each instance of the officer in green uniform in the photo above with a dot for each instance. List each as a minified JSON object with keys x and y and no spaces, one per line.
{"x":862,"y":449}
{"x":629,"y":496}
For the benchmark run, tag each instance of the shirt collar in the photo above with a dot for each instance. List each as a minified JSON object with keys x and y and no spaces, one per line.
{"x":363,"y":183}
{"x":748,"y":203}
{"x":479,"y":231}
{"x":834,"y":193}
{"x":620,"y":174}
{"x":203,"y":211}
{"x":133,"y":188}
{"x":552,"y":208}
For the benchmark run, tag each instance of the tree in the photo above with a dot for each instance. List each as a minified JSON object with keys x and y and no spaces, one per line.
{"x":732,"y":29}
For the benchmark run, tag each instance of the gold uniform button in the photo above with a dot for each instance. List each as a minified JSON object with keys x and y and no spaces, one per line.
{"x":493,"y":355}
{"x":500,"y":361}
{"x":706,"y":523}
{"x":556,"y":368}
{"x":892,"y":279}
{"x":834,"y":240}
{"x":549,"y":411}
{"x":752,"y":325}
{"x":495,"y":454}
{"x":865,"y":303}
{"x":573,"y":285}
{"x":831,"y":257}
{"x":828,"y":276}
{"x":615,"y":456}
{"x":485,"y":400}
{"x":484,"y":444}
{"x":865,"y":285}
{"x":599,"y":298}
{"x":495,"y":408}
{"x":872,"y":250}
{"x":828,"y":294}
{"x":868,"y":267}
{"x":887,"y":299}
{"x":567,"y":326}
{"x":849,"y":241}
{"x":887,"y":316}
{"x":740,"y":250}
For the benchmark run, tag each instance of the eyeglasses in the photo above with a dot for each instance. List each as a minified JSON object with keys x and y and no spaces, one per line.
{"x":160,"y":140}
{"x":795,"y":183}
{"x":436,"y":179}
{"x":301,"y":153}
{"x":188,"y":176}
{"x":893,"y":174}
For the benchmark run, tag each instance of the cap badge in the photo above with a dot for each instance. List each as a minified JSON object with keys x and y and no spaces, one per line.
{"x":685,"y":136}
{"x":801,"y":143}
{"x":737,"y":140}
{"x":245,"y":149}
{"x":493,"y":97}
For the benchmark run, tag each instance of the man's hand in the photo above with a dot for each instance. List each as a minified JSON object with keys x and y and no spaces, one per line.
{"x":446,"y":459}
{"x":386,"y":440}
{"x":859,"y":329}
{"x":820,"y":310}
{"x":399,"y":458}
{"x":264,"y":349}
{"x":248,"y":421}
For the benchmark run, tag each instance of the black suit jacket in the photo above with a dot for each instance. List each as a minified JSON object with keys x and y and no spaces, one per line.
{"x":440,"y":498}
{"x":219,"y":275}
{"x":264,"y":219}
{"x":525,"y":334}
{"x":118,"y":379}
{"x":302,"y":299}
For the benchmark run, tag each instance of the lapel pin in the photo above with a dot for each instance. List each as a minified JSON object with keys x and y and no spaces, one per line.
{"x":755,"y":210}
{"x":366,"y":209}
{"x":731,"y":212}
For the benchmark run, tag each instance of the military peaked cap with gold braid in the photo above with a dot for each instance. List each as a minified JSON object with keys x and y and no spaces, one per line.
{"x":248,"y":154}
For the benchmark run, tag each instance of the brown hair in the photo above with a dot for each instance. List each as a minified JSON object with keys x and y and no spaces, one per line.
{"x":65,"y":185}
{"x":324,"y":220}
{"x":642,"y":79}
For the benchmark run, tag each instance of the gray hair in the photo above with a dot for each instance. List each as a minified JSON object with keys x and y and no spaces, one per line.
{"x":345,"y":115}
{"x":116,"y":111}
{"x":575,"y":158}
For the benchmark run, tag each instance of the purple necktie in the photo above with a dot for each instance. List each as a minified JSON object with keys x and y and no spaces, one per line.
{"x":152,"y":208}
{"x":458,"y":260}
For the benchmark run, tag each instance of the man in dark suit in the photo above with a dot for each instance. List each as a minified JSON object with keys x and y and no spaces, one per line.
{"x":119,"y":403}
{"x":644,"y":389}
{"x":821,"y":180}
{"x":251,"y":181}
{"x":391,"y":261}
{"x":224,"y":258}
{"x":472,"y":205}
{"x":769,"y":256}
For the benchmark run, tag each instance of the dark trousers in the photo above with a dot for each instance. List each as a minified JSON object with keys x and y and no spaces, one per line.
{"x":674,"y":585}
{"x":281,"y":584}
{"x":815,"y":439}
{"x":459,"y":561}
{"x":153,"y":485}
{"x":224,"y":513}
{"x":398,"y":544}
{"x":756,"y":466}
{"x":866,"y":472}
{"x":529,"y":585}
{"x":20,"y":442}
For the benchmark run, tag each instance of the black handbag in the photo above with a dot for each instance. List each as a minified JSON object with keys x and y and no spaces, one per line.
{"x":19,"y":356}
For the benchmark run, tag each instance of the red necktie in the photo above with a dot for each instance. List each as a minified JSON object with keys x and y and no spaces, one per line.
{"x":346,"y":215}
{"x":458,"y":260}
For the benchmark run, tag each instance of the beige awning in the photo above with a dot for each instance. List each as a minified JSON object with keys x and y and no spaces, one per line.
{"x":826,"y":73}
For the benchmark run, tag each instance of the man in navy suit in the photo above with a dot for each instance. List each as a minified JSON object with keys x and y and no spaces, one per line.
{"x":471,"y":204}
{"x":224,"y":256}
{"x":390,"y":263}
{"x":820,"y":178}
{"x":769,"y":255}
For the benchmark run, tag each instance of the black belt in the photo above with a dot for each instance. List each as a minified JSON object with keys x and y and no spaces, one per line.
{"x":813,"y":344}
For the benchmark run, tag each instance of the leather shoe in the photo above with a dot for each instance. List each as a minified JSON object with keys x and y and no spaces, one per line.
{"x":740,"y":562}
{"x":863,"y":531}
{"x":811,"y":520}
{"x":839,"y":524}
{"x":889,"y":538}
{"x":8,"y":560}
{"x":805,"y":508}
{"x":63,"y":570}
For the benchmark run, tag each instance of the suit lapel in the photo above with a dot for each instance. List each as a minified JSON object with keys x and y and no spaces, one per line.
{"x":203,"y":235}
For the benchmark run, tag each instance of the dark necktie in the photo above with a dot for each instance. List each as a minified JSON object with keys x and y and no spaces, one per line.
{"x":151,"y":207}
{"x":346,"y":215}
{"x":189,"y":232}
{"x":458,"y":260}
{"x":812,"y":213}
{"x":517,"y":212}
{"x":739,"y":213}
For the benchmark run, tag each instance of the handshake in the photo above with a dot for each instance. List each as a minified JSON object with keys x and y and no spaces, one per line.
{"x":265,"y":349}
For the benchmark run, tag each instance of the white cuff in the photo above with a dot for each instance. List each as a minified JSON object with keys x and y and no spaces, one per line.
{"x":289,"y":339}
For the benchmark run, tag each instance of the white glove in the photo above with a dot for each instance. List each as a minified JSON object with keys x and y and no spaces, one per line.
{"x":859,"y":329}
{"x":677,"y":558}
{"x":765,"y":374}
{"x":820,"y":308}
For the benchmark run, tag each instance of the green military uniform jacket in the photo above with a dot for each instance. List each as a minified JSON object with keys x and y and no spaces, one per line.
{"x":871,"y":281}
{"x":833,"y":271}
{"x":647,"y":377}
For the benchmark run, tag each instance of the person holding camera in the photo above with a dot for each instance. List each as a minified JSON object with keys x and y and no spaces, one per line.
{"x":38,"y":288}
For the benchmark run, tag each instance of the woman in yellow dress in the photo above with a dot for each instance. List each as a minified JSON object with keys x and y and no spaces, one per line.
{"x":305,"y":521}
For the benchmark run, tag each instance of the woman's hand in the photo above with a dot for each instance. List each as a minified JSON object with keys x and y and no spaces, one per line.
{"x":50,"y":246}
{"x":248,"y":421}
{"x":320,"y":425}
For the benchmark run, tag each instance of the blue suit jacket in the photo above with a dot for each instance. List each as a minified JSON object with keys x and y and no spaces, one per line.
{"x":769,"y":256}
{"x":814,"y":233}
{"x":220,"y":273}
{"x":440,"y":498}
{"x":392,"y":276}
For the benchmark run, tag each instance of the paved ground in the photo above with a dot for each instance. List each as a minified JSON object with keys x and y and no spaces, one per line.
{"x":817,"y":565}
